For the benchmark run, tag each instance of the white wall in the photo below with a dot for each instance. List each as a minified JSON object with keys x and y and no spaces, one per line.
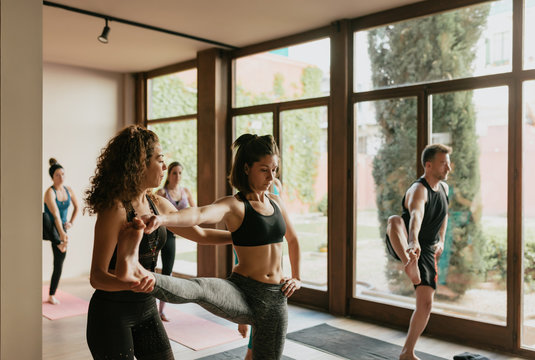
{"x":20,"y":185}
{"x":82,"y":110}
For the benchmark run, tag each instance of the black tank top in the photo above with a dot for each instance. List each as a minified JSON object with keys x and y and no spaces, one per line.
{"x":436,"y":209}
{"x":150,"y":245}
{"x":257,"y":229}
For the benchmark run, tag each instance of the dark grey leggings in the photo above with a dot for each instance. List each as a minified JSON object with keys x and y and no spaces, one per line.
{"x":238,"y":299}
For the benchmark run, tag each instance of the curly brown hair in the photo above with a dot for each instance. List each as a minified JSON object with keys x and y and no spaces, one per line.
{"x":120,"y":168}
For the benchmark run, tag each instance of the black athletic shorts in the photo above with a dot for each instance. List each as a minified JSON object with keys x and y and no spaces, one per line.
{"x":427,"y":263}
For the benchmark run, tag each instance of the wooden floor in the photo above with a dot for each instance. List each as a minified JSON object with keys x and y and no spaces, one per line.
{"x":64,"y":339}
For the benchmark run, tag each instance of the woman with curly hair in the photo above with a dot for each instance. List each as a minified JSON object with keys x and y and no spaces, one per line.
{"x":256,"y":291}
{"x":122,"y":323}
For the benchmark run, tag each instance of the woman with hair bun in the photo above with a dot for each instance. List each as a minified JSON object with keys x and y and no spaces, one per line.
{"x":256,"y":292}
{"x":57,"y":199}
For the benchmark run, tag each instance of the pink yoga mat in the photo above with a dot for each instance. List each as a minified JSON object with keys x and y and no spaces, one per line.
{"x":69,"y":305}
{"x":195,"y":332}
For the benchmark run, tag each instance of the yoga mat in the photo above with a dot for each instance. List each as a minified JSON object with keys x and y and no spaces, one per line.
{"x":69,"y":305}
{"x":195,"y":332}
{"x":234,"y":354}
{"x":349,"y":344}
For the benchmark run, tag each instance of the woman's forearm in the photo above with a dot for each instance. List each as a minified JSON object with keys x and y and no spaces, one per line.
{"x":107,"y":282}
{"x":295,"y":259}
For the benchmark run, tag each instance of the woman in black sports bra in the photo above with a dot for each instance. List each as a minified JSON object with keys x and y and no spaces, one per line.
{"x":122,"y":323}
{"x":256,"y":292}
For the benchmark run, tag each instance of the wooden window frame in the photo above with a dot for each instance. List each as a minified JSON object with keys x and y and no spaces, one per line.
{"x":504,"y":338}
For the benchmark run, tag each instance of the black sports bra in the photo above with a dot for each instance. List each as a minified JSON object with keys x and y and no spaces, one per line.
{"x":151,"y":244}
{"x":257,"y":229}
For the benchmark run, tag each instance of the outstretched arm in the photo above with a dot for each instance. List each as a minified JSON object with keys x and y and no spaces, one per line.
{"x":194,"y":233}
{"x":204,"y":236}
{"x":209,"y":214}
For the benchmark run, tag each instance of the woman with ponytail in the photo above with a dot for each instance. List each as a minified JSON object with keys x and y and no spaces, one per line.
{"x":256,"y":292}
{"x":57,"y":199}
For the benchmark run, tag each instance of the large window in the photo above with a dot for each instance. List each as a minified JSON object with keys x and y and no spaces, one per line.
{"x":450,"y":77}
{"x":472,"y":270}
{"x":171,"y":109}
{"x":385,"y":167}
{"x":304,"y":169}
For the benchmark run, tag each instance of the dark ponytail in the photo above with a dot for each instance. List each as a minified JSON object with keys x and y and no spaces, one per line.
{"x":250,"y":148}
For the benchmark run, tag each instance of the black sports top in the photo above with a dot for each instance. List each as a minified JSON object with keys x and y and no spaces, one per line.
{"x":257,"y":229}
{"x":436,"y":209}
{"x":150,"y":245}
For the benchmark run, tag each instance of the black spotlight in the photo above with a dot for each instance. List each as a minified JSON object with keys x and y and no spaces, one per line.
{"x":103,"y":38}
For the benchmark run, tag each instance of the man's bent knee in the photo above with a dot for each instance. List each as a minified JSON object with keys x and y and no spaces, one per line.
{"x":394,"y":221}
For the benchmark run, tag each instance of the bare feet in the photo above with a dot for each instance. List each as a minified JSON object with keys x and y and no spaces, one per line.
{"x":62,"y":247}
{"x":52,"y":300}
{"x":128,"y":268}
{"x":163,"y":317}
{"x":411,"y":269}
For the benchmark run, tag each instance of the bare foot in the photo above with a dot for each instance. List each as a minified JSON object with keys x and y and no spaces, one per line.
{"x":52,"y":300}
{"x":408,"y":355}
{"x":163,"y":317}
{"x":128,"y":267}
{"x":412,"y":271}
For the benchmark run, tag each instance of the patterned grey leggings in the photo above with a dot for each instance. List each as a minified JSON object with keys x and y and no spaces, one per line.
{"x":238,"y":299}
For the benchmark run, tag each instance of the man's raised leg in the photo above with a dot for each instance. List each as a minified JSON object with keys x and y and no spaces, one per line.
{"x":397,"y":233}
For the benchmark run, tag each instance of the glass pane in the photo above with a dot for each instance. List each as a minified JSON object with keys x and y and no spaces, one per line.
{"x":465,"y":42}
{"x":386,"y":134}
{"x":529,"y":30}
{"x":304,"y":180}
{"x":528,"y":217}
{"x":259,"y":124}
{"x":172,"y":95}
{"x":296,"y":72}
{"x":179,"y":143}
{"x":472,"y":271}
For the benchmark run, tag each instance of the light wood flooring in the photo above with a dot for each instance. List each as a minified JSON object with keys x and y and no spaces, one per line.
{"x":64,"y":339}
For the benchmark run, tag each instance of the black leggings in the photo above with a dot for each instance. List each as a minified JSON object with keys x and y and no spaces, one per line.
{"x":168,"y":254}
{"x":121,"y":325}
{"x":59,"y":258}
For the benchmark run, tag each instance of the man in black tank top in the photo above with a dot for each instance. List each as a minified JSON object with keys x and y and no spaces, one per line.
{"x":416,"y":238}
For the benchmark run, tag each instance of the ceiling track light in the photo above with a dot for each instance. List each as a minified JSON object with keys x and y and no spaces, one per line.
{"x":103,"y":38}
